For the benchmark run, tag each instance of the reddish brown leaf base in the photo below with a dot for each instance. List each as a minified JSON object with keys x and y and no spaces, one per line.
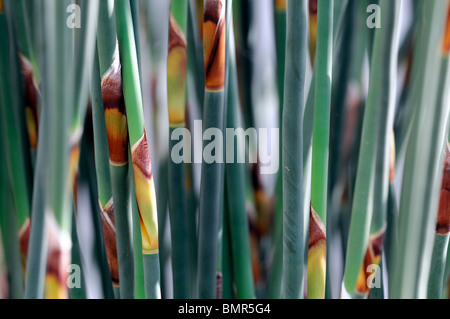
{"x":443,"y":218}
{"x":214,"y":39}
{"x":115,"y":116}
{"x":109,"y":237}
{"x":372,"y":257}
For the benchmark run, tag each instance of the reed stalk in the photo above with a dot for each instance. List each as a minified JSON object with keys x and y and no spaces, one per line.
{"x":236,"y":214}
{"x":13,"y":136}
{"x":293,"y":239}
{"x":226,"y":258}
{"x":377,"y":125}
{"x":18,"y":15}
{"x":411,"y":93}
{"x":176,"y":90}
{"x":244,"y":19}
{"x":321,"y":137}
{"x":157,"y":29}
{"x":422,"y":162}
{"x":436,"y":279}
{"x":442,"y":231}
{"x":139,"y":276}
{"x":24,"y":15}
{"x":117,"y":132}
{"x":77,"y":292}
{"x":447,"y":267}
{"x":15,"y":143}
{"x":74,"y":99}
{"x":38,"y":238}
{"x":372,"y":208}
{"x":88,"y":176}
{"x":104,"y":188}
{"x":308,"y":116}
{"x":37,"y":258}
{"x":10,"y":240}
{"x":57,"y":205}
{"x":195,"y":56}
{"x":107,"y":49}
{"x":340,"y":119}
{"x":4,"y":286}
{"x":382,"y":177}
{"x":195,"y":95}
{"x":143,"y":178}
{"x":214,"y":45}
{"x":274,"y":285}
{"x":392,"y":213}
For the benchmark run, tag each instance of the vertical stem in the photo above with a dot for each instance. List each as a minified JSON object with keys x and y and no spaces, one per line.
{"x":38,"y":240}
{"x":237,"y":221}
{"x":139,"y":277}
{"x":10,"y":240}
{"x":292,"y":148}
{"x":176,"y":87}
{"x":423,"y":161}
{"x":275,"y":279}
{"x":11,"y":133}
{"x":384,"y":145}
{"x":214,"y":42}
{"x":321,"y":136}
{"x":442,"y":231}
{"x":378,"y":113}
{"x":117,"y":132}
{"x":143,"y":177}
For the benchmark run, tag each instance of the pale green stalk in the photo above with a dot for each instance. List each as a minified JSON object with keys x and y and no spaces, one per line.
{"x":293,"y":240}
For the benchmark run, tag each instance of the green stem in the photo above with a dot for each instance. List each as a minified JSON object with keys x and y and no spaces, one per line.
{"x":322,"y":109}
{"x":162,"y":198}
{"x":85,"y":45}
{"x":436,"y":282}
{"x":27,"y":23}
{"x":320,"y":150}
{"x":384,"y":146}
{"x":308,"y":118}
{"x":379,"y":106}
{"x":227,"y":258}
{"x":77,"y":292}
{"x":195,"y":61}
{"x":292,"y":150}
{"x":210,"y":205}
{"x":88,"y":174}
{"x":121,"y":195}
{"x":195,"y":93}
{"x":100,"y":138}
{"x":441,"y":237}
{"x":157,"y":17}
{"x":274,"y":289}
{"x":145,"y":190}
{"x":418,"y":206}
{"x":392,"y":229}
{"x":244,"y":22}
{"x":179,"y":231}
{"x":235,"y":190}
{"x":176,"y":85}
{"x":38,"y":242}
{"x":106,"y":35}
{"x":139,"y":278}
{"x":9,"y":229}
{"x":12,"y":135}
